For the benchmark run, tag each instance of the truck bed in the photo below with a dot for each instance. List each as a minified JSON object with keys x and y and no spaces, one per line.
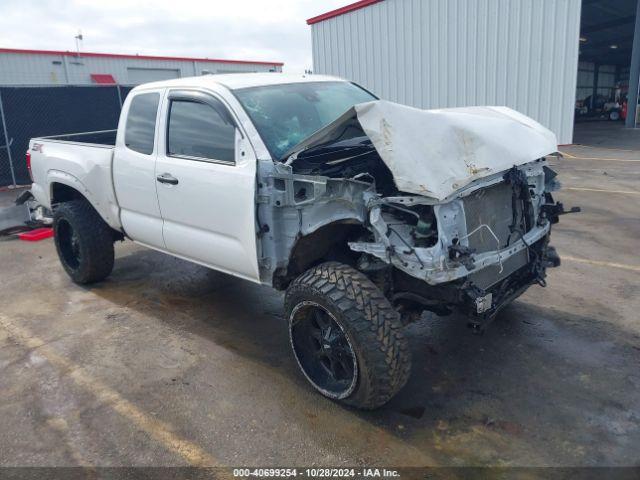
{"x":81,"y":161}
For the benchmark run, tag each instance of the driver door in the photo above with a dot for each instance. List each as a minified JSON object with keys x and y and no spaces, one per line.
{"x":206,"y":174}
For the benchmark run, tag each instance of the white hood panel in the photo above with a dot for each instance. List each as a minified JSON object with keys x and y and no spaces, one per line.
{"x":436,"y":152}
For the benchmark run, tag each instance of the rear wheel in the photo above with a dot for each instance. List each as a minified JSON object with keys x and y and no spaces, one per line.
{"x":346,"y":336}
{"x":84,"y":242}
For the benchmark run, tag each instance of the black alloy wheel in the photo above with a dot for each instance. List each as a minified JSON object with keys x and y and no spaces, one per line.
{"x":323,"y":350}
{"x":69,"y":244}
{"x":346,"y":336}
{"x":84,"y":242}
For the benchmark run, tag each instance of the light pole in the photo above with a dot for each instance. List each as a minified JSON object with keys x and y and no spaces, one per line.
{"x":78,"y":40}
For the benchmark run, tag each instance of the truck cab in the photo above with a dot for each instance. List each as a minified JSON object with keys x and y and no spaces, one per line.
{"x":184,"y":175}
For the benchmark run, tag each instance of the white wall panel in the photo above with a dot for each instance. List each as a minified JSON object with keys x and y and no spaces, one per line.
{"x":449,"y":53}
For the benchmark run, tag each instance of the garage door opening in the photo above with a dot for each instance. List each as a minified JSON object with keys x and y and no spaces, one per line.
{"x":608,"y":69}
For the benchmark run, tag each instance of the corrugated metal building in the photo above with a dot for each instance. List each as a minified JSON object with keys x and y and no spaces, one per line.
{"x":447,"y":53}
{"x":44,"y":67}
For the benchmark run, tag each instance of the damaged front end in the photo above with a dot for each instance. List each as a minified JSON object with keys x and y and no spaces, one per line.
{"x":442,"y":219}
{"x":475,"y":252}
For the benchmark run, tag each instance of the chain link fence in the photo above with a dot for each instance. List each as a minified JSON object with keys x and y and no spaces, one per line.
{"x":34,"y":111}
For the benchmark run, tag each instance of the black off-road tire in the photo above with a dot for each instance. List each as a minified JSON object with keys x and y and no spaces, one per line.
{"x":93,"y":242}
{"x":371,"y":324}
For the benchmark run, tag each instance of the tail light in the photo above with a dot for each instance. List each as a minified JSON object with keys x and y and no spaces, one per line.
{"x":29,"y":164}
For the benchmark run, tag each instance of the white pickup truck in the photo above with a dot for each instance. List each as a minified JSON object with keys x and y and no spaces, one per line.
{"x":366,"y":212}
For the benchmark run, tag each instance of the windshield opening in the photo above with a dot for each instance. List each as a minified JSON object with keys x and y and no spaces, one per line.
{"x":284,"y":115}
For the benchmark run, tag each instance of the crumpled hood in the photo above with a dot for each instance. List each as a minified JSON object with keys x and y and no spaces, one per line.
{"x":437,"y":152}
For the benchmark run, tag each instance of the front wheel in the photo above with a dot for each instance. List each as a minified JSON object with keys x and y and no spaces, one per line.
{"x":84,"y":242}
{"x":346,"y":336}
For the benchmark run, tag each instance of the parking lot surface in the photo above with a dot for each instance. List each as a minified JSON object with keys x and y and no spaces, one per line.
{"x":168,"y":363}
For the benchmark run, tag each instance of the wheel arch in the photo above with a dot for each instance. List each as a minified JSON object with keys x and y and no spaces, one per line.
{"x":327,"y":242}
{"x":60,"y":192}
{"x":64,"y":187}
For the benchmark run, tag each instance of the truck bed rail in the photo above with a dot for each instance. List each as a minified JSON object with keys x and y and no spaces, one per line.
{"x":97,"y":137}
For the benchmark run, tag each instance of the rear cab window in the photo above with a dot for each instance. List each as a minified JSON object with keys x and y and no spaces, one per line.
{"x":141,"y":123}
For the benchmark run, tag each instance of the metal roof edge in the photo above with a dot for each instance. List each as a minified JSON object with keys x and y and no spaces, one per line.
{"x":130,"y":56}
{"x":341,"y":11}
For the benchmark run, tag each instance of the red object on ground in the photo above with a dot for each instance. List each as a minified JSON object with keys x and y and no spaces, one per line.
{"x":37,"y":234}
{"x":103,"y":78}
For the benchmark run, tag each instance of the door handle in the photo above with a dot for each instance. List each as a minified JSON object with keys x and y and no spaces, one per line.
{"x":167,"y":178}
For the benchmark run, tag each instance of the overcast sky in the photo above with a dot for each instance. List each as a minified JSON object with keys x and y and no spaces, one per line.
{"x":272,"y":30}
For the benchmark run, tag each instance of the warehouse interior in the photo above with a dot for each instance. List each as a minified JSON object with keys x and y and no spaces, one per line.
{"x":606,"y":68}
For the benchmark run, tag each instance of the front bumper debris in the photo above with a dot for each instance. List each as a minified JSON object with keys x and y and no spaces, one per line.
{"x":435,"y":265}
{"x":482,"y":305}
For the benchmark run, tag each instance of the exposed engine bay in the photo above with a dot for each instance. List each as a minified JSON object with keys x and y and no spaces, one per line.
{"x":472,"y":242}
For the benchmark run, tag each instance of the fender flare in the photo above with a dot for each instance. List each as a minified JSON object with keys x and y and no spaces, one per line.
{"x":64,"y":178}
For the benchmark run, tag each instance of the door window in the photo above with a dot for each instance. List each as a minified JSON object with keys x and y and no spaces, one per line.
{"x":141,"y":123}
{"x":199,"y":130}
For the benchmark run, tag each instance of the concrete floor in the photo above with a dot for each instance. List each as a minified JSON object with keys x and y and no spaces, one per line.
{"x":605,"y":134}
{"x":167,"y":363}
